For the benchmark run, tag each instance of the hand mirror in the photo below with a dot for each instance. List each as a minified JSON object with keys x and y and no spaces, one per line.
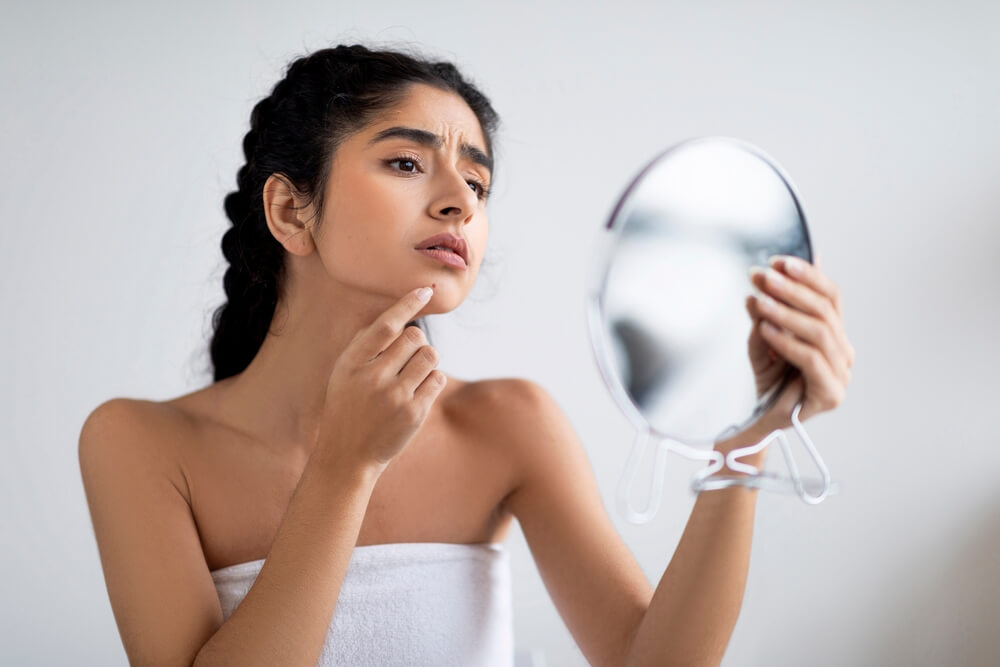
{"x":667,"y":317}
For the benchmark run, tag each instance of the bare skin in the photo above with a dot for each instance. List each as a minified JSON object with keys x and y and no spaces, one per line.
{"x":342,"y":275}
{"x":447,"y":485}
{"x":345,"y":272}
{"x":250,"y":468}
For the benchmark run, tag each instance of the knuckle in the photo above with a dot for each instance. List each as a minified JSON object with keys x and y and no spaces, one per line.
{"x":414,"y":334}
{"x":825,"y":338}
{"x":836,"y":399}
{"x":815,"y":360}
{"x":831,"y":400}
{"x":412,"y":411}
{"x":382,"y":328}
{"x":429,"y":353}
{"x":398,"y":398}
{"x":829,"y":311}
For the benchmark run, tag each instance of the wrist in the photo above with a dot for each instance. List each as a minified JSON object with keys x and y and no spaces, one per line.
{"x":347,"y":468}
{"x":745,"y":439}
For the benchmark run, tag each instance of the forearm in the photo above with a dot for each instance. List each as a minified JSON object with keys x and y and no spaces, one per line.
{"x":286,"y":614}
{"x":696,"y":604}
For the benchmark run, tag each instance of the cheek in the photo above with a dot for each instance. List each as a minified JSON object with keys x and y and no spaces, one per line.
{"x":362,"y":232}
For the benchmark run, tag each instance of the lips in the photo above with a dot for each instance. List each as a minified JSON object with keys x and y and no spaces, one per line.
{"x":447,"y":241}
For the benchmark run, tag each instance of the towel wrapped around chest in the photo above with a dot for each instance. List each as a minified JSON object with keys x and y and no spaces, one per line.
{"x":413,"y":603}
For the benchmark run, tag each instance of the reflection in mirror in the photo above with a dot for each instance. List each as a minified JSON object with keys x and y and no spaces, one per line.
{"x":667,"y":313}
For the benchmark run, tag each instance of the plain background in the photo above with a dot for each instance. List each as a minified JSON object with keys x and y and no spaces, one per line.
{"x":120,"y":130}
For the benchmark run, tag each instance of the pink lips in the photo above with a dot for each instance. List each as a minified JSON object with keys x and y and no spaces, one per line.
{"x":447,"y":241}
{"x":445,"y":256}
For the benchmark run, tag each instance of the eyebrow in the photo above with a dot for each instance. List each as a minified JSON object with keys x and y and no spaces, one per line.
{"x":432,"y":140}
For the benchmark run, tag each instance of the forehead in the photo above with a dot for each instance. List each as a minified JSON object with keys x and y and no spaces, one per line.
{"x":439,"y":111}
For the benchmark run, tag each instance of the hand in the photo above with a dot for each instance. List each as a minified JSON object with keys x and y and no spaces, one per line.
{"x":380,"y":390}
{"x":805,"y":306}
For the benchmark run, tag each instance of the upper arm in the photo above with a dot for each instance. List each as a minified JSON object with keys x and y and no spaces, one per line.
{"x":162,"y":594}
{"x":595,"y":582}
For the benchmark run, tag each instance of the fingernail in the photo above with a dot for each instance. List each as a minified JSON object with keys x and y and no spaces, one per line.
{"x":794,"y":266}
{"x":424,"y":293}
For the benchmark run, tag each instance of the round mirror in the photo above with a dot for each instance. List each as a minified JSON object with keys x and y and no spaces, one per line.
{"x":667,"y":311}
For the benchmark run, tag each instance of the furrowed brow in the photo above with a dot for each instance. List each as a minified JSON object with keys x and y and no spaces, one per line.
{"x":425,"y":138}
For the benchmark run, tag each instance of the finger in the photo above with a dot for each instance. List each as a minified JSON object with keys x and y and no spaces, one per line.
{"x":823,"y":387}
{"x":803,"y":271}
{"x":411,"y":366}
{"x":751,"y":305}
{"x":755,"y":343}
{"x":788,"y":290}
{"x":808,"y":274}
{"x":816,"y":332}
{"x":432,"y":386}
{"x":386,"y":328}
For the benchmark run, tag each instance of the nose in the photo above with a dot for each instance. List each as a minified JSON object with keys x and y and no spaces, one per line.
{"x":457,"y":199}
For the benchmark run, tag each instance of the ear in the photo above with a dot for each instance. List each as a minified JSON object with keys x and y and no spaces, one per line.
{"x":289,"y":218}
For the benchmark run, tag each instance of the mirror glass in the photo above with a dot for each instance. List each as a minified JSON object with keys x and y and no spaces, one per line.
{"x":667,"y":312}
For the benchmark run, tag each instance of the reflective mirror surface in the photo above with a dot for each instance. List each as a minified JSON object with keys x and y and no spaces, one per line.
{"x":668,"y":315}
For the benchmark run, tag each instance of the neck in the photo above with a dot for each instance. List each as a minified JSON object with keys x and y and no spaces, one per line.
{"x":281,"y":395}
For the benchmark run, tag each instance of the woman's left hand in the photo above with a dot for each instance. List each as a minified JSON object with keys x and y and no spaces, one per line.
{"x":805,"y":308}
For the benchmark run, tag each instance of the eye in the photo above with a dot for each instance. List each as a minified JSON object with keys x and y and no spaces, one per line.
{"x":480,"y":188}
{"x":411,"y":165}
{"x":405,"y":160}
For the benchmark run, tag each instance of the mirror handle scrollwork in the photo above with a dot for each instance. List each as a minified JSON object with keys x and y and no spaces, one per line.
{"x":754,"y":477}
{"x":704,"y":481}
{"x":663,"y":446}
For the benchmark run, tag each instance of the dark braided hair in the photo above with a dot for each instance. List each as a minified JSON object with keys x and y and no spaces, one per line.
{"x":325,"y":97}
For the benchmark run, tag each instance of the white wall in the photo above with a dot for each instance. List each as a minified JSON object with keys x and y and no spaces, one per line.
{"x":120,"y":131}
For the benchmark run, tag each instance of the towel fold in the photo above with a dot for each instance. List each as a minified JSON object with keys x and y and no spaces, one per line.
{"x":412,"y":603}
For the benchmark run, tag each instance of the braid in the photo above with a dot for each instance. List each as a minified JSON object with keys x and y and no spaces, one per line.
{"x":256,"y":267}
{"x":324,"y":97}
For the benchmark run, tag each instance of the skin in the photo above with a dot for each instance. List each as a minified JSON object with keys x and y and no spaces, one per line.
{"x":607,"y":604}
{"x":148,"y":474}
{"x":344,"y":272}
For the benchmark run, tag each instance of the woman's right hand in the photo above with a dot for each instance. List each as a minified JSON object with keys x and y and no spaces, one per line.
{"x":381,"y":388}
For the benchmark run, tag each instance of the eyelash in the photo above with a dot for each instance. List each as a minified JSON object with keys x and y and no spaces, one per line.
{"x":483,"y":193}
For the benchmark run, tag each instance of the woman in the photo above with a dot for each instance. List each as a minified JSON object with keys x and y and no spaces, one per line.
{"x":330,"y":440}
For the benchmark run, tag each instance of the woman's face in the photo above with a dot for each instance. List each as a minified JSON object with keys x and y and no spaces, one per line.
{"x":388,"y":191}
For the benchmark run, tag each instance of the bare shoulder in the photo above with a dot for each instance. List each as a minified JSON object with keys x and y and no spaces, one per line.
{"x":557,"y":502}
{"x":525,"y":421}
{"x":130,"y":431}
{"x":140,"y":509}
{"x":132,"y":412}
{"x":496,"y":404}
{"x":502,"y":393}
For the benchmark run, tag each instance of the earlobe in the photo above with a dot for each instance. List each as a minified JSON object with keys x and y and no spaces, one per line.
{"x":287,"y":216}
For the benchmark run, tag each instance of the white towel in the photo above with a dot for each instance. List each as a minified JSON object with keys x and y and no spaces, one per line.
{"x":413,"y":603}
